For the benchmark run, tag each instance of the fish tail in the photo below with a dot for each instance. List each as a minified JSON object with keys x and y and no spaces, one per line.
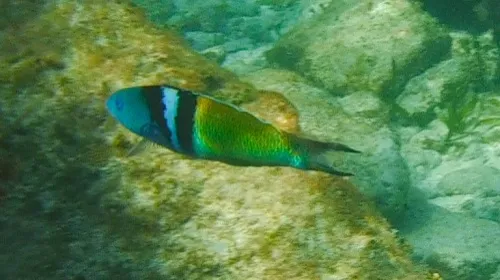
{"x":320,"y":155}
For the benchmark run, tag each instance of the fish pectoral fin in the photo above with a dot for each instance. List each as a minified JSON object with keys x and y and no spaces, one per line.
{"x":141,"y":146}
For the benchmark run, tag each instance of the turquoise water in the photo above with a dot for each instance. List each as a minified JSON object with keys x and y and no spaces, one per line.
{"x":414,"y":85}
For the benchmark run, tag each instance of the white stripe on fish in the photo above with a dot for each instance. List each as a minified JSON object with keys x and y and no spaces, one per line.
{"x":171,"y":101}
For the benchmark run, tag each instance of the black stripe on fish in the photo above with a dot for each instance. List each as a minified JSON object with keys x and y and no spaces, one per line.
{"x":184,"y":121}
{"x":154,"y":96}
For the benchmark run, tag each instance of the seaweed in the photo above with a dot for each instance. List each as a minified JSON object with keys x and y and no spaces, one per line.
{"x":459,"y":116}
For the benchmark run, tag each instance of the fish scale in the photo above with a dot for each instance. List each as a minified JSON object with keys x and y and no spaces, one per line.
{"x":220,"y":134}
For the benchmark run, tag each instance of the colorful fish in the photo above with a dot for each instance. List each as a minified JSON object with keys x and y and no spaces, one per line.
{"x":202,"y":127}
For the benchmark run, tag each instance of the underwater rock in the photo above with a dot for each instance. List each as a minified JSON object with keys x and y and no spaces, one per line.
{"x":260,"y":29}
{"x":76,"y":207}
{"x":458,"y":177}
{"x":478,"y":180}
{"x":375,"y":47}
{"x":268,"y":104}
{"x":237,"y":45}
{"x":451,"y":119}
{"x":246,"y":61}
{"x":238,"y":20}
{"x":474,"y":191}
{"x":199,"y":40}
{"x":483,"y":54}
{"x":459,"y":247}
{"x":216,"y":53}
{"x":421,"y":149}
{"x":312,"y":8}
{"x":443,"y":161}
{"x":450,"y":84}
{"x":380,"y":172}
{"x":214,"y":221}
{"x":423,"y":93}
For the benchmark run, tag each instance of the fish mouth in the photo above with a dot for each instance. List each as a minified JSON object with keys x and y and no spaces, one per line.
{"x":111,"y":105}
{"x":108,"y":103}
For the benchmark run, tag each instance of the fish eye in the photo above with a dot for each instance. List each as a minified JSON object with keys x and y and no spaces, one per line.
{"x":119,"y":104}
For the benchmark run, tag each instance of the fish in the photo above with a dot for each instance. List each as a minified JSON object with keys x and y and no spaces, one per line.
{"x":202,"y":127}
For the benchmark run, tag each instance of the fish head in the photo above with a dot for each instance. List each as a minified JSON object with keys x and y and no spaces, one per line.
{"x":130,"y":108}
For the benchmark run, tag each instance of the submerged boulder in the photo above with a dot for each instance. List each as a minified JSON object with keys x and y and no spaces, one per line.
{"x":210,"y":220}
{"x":374,"y":46}
{"x":458,"y":246}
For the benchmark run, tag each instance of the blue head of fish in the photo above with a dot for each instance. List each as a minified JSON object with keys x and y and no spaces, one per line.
{"x":130,"y":107}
